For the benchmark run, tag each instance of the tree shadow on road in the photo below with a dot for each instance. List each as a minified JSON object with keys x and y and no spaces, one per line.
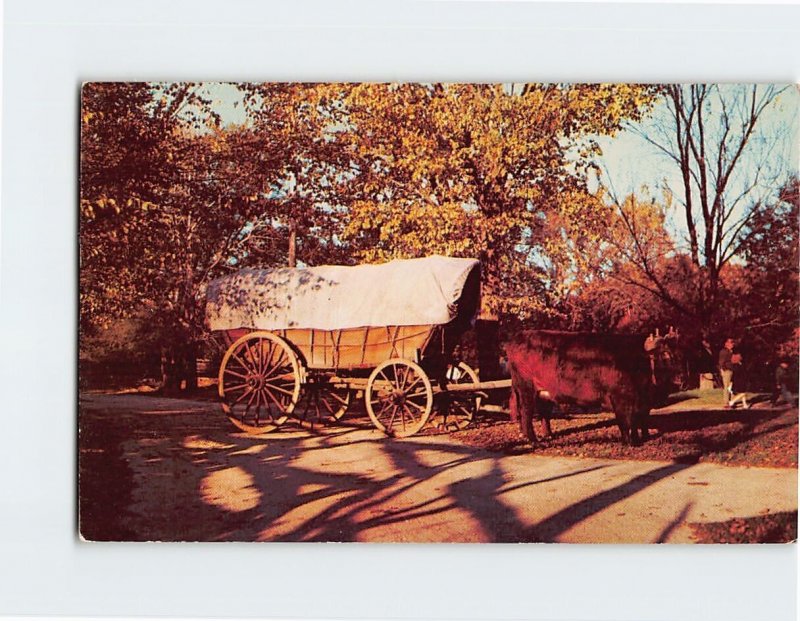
{"x":195,"y":480}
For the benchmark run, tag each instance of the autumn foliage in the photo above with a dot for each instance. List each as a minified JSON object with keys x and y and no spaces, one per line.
{"x":171,"y":197}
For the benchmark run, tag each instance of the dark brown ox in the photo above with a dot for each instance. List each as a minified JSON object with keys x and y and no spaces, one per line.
{"x":623,"y":373}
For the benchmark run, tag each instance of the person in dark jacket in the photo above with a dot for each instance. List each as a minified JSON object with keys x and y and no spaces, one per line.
{"x":726,"y":369}
{"x":780,"y":389}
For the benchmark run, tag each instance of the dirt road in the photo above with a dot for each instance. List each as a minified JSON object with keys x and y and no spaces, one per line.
{"x":175,"y":470}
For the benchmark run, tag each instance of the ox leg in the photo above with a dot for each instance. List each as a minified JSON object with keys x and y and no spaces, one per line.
{"x":624,"y":429}
{"x":523,"y":404}
{"x":629,"y":424}
{"x":627,"y":420}
{"x":644,"y":423}
{"x":512,"y":407}
{"x":544,"y":409}
{"x":634,"y":439}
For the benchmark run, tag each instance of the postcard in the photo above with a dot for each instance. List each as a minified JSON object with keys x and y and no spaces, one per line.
{"x":438,"y":312}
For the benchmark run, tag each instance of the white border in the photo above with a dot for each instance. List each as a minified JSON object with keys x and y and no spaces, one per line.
{"x":51,"y":46}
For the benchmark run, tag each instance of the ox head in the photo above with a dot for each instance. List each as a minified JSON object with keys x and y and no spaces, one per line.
{"x":666,"y":368}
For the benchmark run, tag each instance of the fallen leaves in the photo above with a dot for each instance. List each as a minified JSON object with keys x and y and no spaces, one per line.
{"x":771,"y":528}
{"x":766,"y":438}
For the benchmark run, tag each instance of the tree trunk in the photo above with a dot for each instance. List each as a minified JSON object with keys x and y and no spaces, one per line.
{"x":190,"y":366}
{"x":292,"y":243}
{"x":165,"y":371}
{"x":487,"y":339}
{"x":170,"y":371}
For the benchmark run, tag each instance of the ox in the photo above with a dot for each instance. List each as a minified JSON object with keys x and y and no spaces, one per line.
{"x":626,"y":374}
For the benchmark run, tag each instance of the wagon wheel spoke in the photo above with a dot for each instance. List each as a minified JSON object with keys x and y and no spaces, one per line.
{"x":253,"y":394}
{"x":262,"y":361}
{"x":287,"y":378}
{"x":235,"y":374}
{"x":273,"y":398}
{"x":244,"y":364}
{"x":391,"y":418}
{"x":386,"y":403}
{"x":341,"y":399}
{"x":279,"y":389}
{"x":277,"y":367}
{"x":251,"y":357}
{"x":421,"y":408}
{"x":419,"y":393}
{"x":414,"y":419}
{"x":386,"y":379}
{"x":416,"y":382}
{"x":243,"y":395}
{"x":401,"y":377}
{"x":303,"y":408}
{"x":461,"y":409}
{"x":326,"y":404}
{"x":236,"y":387}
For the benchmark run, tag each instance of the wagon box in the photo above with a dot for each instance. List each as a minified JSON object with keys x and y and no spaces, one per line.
{"x":301,"y":341}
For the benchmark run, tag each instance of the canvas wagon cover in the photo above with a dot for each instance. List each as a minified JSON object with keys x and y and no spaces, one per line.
{"x":335,"y":297}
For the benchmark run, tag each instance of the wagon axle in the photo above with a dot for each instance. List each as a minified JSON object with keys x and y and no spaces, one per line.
{"x":256,"y":382}
{"x":398,"y":397}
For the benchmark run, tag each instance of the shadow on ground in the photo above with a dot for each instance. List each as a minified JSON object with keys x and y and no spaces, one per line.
{"x":184,"y":476}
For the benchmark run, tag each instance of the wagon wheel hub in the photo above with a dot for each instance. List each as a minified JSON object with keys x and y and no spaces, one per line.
{"x":255,"y":382}
{"x":398,"y":397}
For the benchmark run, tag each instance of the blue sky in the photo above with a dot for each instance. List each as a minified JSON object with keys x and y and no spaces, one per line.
{"x":630,"y":164}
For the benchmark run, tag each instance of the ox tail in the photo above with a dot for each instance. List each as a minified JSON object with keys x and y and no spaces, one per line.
{"x":522,"y":402}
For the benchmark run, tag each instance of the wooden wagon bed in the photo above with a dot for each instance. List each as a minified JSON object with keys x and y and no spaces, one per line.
{"x":353,"y":348}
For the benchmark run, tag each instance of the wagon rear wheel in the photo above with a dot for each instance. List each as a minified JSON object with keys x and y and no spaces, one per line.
{"x":321,"y":401}
{"x":456,"y":410}
{"x":399,"y":397}
{"x":259,"y":382}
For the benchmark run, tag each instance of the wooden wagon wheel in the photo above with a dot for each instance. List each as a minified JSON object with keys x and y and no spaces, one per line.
{"x":259,"y":382}
{"x":399,"y":397}
{"x":455,"y":410}
{"x":321,"y":401}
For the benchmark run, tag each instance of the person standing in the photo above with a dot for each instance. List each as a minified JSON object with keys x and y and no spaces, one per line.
{"x":726,"y":369}
{"x":737,"y":383}
{"x":781,"y":388}
{"x":705,"y":366}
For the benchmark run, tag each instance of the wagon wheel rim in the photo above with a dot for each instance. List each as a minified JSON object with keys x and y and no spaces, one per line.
{"x":259,"y":382}
{"x":398,"y":397}
{"x":321,"y":402}
{"x":456,"y":410}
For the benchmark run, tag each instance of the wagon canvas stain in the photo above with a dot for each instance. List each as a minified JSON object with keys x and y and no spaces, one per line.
{"x":341,"y":313}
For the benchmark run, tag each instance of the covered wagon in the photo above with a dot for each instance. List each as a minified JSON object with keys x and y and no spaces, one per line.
{"x":303,"y":342}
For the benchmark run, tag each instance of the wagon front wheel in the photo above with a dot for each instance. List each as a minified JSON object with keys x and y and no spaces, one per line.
{"x":259,"y":382}
{"x":398,"y":397}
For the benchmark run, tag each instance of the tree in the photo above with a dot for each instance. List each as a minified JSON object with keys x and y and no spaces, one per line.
{"x":772,"y":264}
{"x":727,"y":163}
{"x":624,"y":275}
{"x":492,"y":171}
{"x":288,"y":118}
{"x":166,"y":204}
